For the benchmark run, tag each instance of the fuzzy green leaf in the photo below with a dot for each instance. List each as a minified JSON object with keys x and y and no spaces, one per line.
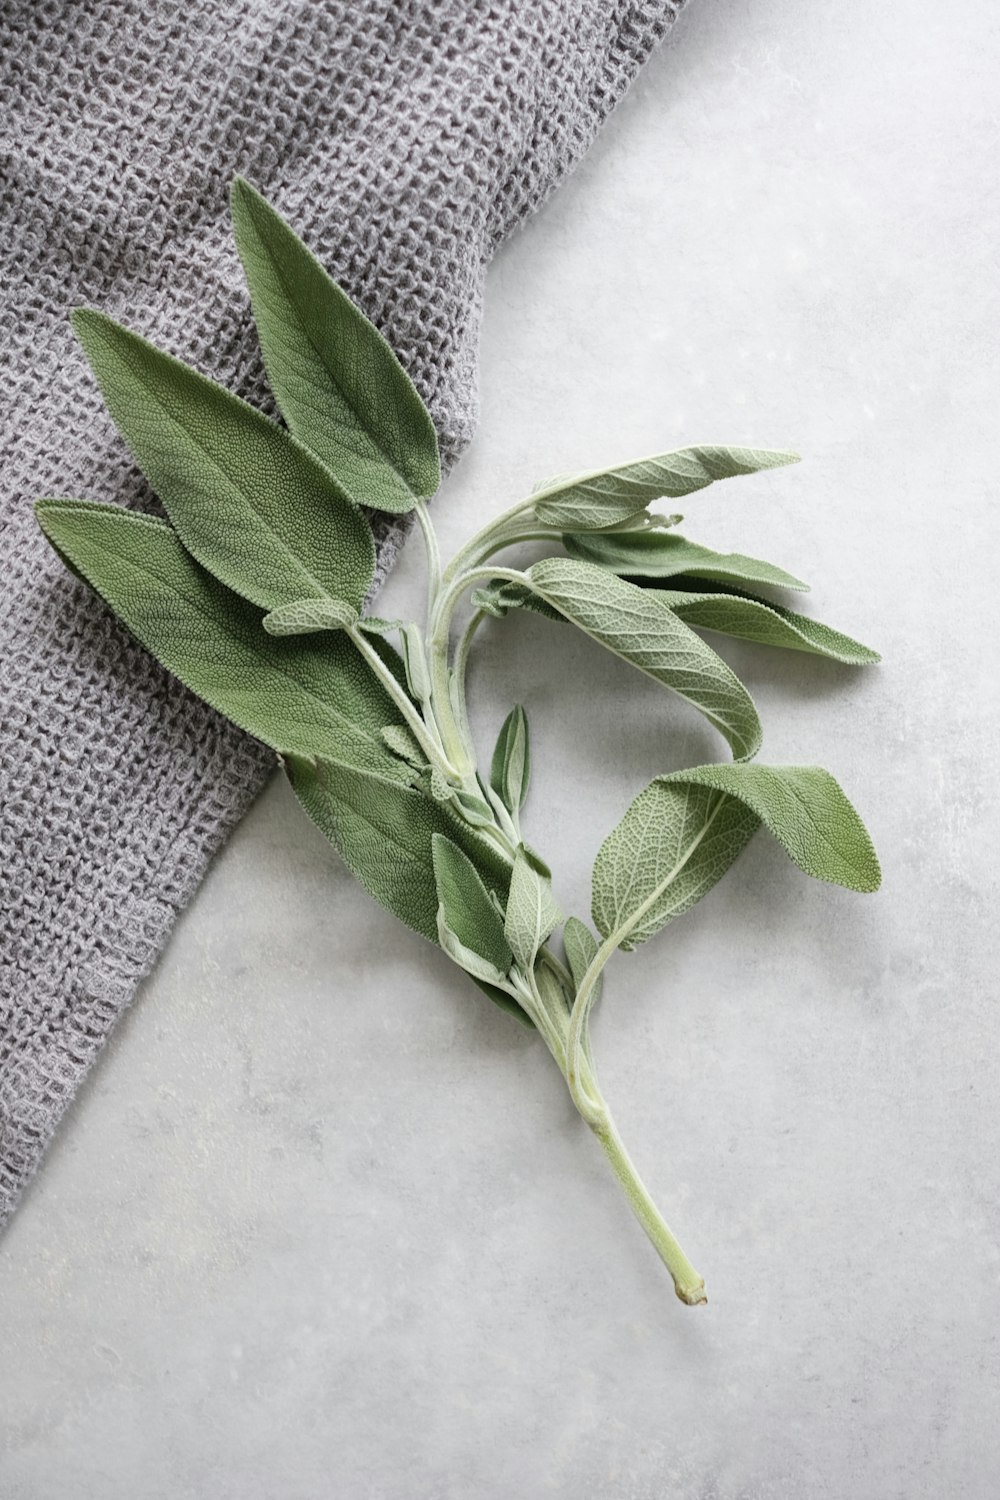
{"x":671,"y":847}
{"x":665,"y":554}
{"x":633,"y":623}
{"x":384,"y":829}
{"x":466,"y":909}
{"x":310,"y":617}
{"x":248,"y":501}
{"x":375,"y":625}
{"x":314,"y":698}
{"x":384,"y":832}
{"x":478,"y":968}
{"x":806,"y":811}
{"x":581,"y":950}
{"x":604,"y":497}
{"x":769,"y":624}
{"x":510,"y":771}
{"x":682,"y":833}
{"x":403,"y":744}
{"x":532,"y":912}
{"x":338,"y":383}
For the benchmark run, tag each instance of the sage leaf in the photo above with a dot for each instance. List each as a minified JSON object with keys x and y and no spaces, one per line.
{"x":403,"y":743}
{"x":473,"y":963}
{"x":682,"y":833}
{"x":247,"y":500}
{"x":769,"y":624}
{"x":504,"y":1001}
{"x":294,"y":694}
{"x":339,"y":385}
{"x":604,"y":497}
{"x":375,"y":625}
{"x":510,"y":770}
{"x":532,"y":912}
{"x":806,"y":811}
{"x":502,"y":595}
{"x":384,"y":829}
{"x":581,"y":950}
{"x":672,"y":846}
{"x":632,"y":623}
{"x":310,"y":616}
{"x":665,"y":554}
{"x":467,"y":911}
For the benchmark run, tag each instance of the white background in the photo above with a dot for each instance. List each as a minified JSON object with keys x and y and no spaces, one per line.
{"x":323,"y":1223}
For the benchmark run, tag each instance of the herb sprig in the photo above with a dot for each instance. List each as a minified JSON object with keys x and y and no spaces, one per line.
{"x":253,"y":592}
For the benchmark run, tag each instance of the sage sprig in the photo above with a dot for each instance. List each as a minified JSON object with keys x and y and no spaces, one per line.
{"x":253,"y":592}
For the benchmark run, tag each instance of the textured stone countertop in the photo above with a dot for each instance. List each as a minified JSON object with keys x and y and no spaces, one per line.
{"x":323,"y":1223}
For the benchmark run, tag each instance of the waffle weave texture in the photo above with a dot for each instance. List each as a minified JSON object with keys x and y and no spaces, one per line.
{"x":404,"y":141}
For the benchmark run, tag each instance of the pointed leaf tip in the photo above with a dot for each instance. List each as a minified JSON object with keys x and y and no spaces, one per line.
{"x":340,"y":385}
{"x":247,"y":501}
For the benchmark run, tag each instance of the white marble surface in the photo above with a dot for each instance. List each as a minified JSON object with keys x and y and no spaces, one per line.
{"x":323,"y":1223}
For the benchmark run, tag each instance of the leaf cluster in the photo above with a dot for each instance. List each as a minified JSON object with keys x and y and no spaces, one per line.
{"x":253,"y":592}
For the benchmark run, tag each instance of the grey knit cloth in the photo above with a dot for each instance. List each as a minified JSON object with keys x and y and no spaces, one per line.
{"x":404,"y":139}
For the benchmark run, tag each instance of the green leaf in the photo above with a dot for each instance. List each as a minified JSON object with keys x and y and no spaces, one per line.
{"x":310,"y":616}
{"x":673,"y":844}
{"x":477,"y":967}
{"x":604,"y":497}
{"x":510,"y":771}
{"x":467,"y":912}
{"x":502,"y":595}
{"x":384,"y":832}
{"x":532,"y":912}
{"x":248,"y":501}
{"x":503,"y":1000}
{"x":403,"y":743}
{"x":632,"y":623}
{"x":758,"y":620}
{"x":375,"y":625}
{"x":665,"y":554}
{"x":806,"y":811}
{"x":581,"y":950}
{"x":339,"y":385}
{"x":682,"y":833}
{"x":313,"y":698}
{"x":384,"y":829}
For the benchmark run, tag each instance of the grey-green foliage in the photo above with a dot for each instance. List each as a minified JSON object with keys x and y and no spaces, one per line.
{"x":510,"y":770}
{"x":251,"y":594}
{"x":682,"y":833}
{"x":632,"y":622}
{"x":385,"y":829}
{"x":532,"y":911}
{"x":671,"y":847}
{"x":581,"y":950}
{"x":665,"y":554}
{"x":295,"y":694}
{"x":470,"y":927}
{"x":252,"y":505}
{"x":768,"y":624}
{"x":605,"y":497}
{"x":310,"y":616}
{"x":339,"y":385}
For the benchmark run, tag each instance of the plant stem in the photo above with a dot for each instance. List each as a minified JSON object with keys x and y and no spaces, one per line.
{"x":432,"y":549}
{"x":454,"y":737}
{"x":689,"y":1286}
{"x":578,"y":1076}
{"x":414,"y":722}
